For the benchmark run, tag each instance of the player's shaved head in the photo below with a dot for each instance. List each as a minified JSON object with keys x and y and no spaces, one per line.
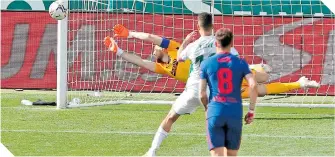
{"x":205,"y":21}
{"x":224,"y":37}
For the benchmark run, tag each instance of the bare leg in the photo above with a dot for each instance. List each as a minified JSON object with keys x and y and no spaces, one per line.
{"x":261,"y":77}
{"x":162,"y":131}
{"x":261,"y":72}
{"x":169,"y":120}
{"x":219,"y":151}
{"x":231,"y":152}
{"x":261,"y":89}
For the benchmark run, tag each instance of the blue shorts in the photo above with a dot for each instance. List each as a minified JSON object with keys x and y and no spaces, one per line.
{"x":224,"y":132}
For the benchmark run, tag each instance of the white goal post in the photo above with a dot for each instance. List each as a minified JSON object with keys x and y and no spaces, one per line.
{"x":62,"y":29}
{"x":296,"y":38}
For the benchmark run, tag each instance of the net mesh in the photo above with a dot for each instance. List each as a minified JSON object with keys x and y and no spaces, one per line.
{"x":296,"y":38}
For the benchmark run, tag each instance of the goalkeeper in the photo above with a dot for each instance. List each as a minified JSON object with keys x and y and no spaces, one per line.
{"x":165,"y":52}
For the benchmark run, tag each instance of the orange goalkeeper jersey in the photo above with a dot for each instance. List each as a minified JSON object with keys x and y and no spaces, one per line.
{"x":180,"y":70}
{"x":175,"y":69}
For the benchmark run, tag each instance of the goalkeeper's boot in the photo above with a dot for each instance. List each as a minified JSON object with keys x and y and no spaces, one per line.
{"x":121,"y":31}
{"x":305,"y":83}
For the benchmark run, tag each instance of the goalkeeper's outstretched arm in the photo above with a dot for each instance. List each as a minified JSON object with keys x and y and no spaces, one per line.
{"x":155,"y":39}
{"x":112,"y":46}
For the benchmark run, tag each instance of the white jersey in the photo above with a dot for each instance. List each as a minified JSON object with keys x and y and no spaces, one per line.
{"x":198,"y":51}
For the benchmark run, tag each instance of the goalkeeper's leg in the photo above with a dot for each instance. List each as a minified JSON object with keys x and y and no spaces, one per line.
{"x":278,"y":87}
{"x":261,"y":72}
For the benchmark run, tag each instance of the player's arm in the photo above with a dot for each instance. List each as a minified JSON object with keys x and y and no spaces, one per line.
{"x":252,"y":91}
{"x":203,"y":85}
{"x":184,"y":48}
{"x":249,"y":117}
{"x":121,"y":31}
{"x":112,"y":46}
{"x":203,"y":93}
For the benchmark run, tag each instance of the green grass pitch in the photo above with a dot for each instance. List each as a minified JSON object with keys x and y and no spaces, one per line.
{"x":127,"y":130}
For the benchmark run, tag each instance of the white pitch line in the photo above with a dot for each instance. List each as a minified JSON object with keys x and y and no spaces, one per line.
{"x":152,"y":133}
{"x":297,"y":114}
{"x":259,"y":113}
{"x":31,"y":108}
{"x":5,"y":152}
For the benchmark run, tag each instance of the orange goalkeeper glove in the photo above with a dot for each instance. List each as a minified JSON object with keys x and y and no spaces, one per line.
{"x":112,"y":46}
{"x":121,"y":31}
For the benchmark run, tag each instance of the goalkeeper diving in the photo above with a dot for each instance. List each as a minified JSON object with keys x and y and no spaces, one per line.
{"x":165,"y":52}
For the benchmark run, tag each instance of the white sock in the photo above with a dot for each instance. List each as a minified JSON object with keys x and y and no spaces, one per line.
{"x":160,"y":135}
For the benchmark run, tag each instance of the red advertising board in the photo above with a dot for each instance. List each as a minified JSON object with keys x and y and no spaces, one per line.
{"x":293,"y":47}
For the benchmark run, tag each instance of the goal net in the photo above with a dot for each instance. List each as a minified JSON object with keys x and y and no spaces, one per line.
{"x":295,"y":38}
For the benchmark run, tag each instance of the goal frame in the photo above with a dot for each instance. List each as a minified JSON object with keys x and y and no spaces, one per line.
{"x":62,"y":87}
{"x":62,"y":28}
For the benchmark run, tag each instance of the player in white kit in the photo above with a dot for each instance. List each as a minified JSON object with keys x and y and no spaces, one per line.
{"x":197,"y":51}
{"x":188,"y":101}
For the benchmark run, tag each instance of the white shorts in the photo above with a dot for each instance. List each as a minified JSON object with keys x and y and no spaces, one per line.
{"x":187,"y":102}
